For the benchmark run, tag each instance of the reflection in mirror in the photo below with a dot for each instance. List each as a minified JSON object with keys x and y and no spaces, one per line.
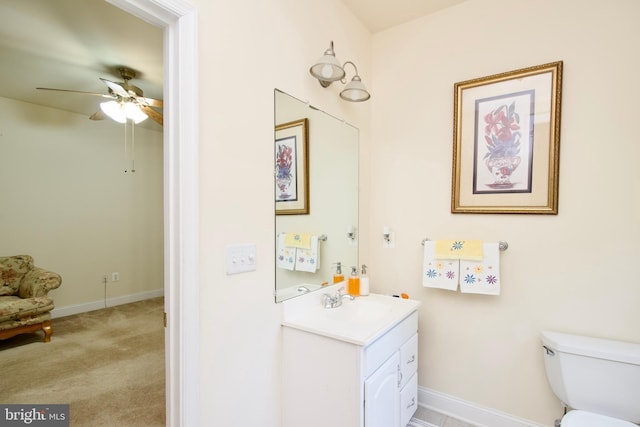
{"x":329,"y":231}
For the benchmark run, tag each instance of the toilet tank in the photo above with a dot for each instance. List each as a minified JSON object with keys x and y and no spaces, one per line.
{"x":593,"y":374}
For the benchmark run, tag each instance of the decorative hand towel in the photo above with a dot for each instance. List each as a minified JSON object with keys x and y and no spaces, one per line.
{"x":482,"y":277}
{"x":298,"y":240}
{"x":459,"y":249}
{"x":309,"y":259}
{"x":286,"y":257}
{"x":439,"y":273}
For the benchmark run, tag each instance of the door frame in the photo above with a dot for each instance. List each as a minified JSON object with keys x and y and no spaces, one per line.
{"x":180,"y":150}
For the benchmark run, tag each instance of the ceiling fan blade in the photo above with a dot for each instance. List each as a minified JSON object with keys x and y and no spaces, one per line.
{"x":151,"y":102}
{"x":103,"y":95}
{"x":116,"y":88}
{"x":98,"y":115}
{"x":157,"y":117}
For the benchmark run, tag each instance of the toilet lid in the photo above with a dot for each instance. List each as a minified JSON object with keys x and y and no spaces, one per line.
{"x":589,"y":419}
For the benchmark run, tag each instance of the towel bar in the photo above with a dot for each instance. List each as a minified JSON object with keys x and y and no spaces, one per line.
{"x":322,"y":237}
{"x":502,"y":245}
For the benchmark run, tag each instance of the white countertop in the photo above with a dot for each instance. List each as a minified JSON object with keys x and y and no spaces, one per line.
{"x":360,"y":321}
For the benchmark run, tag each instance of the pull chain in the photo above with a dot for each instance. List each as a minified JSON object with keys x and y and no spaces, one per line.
{"x":133,"y":146}
{"x":125,"y":146}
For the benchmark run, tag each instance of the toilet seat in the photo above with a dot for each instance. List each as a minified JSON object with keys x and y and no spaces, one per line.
{"x":580,"y":418}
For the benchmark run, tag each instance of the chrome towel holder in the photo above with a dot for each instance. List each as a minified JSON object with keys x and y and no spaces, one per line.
{"x":502,"y":245}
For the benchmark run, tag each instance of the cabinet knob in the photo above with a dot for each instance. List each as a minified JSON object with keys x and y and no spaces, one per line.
{"x":413,"y":359}
{"x":413,"y":402}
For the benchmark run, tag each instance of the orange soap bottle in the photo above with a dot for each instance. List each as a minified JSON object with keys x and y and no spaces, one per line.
{"x":338,"y":277}
{"x":353,"y":286}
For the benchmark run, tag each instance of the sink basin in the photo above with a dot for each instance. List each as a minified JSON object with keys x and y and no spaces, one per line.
{"x":360,"y":310}
{"x":360,"y":321}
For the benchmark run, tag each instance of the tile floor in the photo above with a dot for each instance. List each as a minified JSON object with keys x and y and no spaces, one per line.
{"x":428,"y":418}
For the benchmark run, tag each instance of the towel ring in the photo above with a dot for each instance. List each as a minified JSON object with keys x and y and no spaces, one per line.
{"x":502,"y":245}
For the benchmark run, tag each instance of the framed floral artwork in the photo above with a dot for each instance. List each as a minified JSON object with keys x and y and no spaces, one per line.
{"x":506,"y":142}
{"x":292,"y":168}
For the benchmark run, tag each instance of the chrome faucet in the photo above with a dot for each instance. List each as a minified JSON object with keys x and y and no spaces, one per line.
{"x":336,"y":300}
{"x":303,"y":289}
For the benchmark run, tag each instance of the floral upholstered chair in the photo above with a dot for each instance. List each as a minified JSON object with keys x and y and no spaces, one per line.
{"x":24,"y":304}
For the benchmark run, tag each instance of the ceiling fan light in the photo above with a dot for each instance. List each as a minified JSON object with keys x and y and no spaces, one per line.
{"x":121,"y":111}
{"x":114,"y":110}
{"x":134,"y":112}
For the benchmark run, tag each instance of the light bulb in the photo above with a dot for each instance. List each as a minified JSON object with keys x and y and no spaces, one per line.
{"x":114,"y":110}
{"x":327,"y":71}
{"x":134,"y":112}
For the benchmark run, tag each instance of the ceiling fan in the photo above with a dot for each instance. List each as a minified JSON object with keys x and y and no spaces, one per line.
{"x":127,"y":100}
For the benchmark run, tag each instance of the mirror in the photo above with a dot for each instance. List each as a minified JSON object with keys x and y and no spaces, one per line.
{"x":330,"y":167}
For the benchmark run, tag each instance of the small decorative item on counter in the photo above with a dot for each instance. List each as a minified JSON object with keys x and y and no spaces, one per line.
{"x":364,"y":281}
{"x":353,"y":286}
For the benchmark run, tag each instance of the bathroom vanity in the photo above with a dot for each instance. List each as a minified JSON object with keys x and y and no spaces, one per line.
{"x":350,"y":366}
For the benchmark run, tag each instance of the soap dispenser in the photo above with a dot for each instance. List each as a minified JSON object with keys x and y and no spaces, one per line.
{"x":338,"y":276}
{"x":364,"y":281}
{"x":353,"y":286}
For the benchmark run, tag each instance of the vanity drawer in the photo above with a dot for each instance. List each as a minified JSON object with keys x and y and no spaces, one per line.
{"x":408,"y":359}
{"x":382,"y":348}
{"x":408,"y":400}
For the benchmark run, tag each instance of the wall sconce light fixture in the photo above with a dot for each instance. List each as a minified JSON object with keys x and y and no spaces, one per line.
{"x":327,"y":70}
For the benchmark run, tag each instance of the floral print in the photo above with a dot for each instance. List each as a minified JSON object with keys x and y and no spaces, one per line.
{"x":23,"y":292}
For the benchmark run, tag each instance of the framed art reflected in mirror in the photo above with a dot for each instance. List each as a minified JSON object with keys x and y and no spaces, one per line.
{"x":292,"y":168}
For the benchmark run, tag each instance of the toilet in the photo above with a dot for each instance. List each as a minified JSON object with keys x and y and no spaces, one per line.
{"x":598,"y":380}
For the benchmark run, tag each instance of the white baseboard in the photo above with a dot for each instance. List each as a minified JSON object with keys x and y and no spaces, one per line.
{"x":110,"y":302}
{"x":469,"y":412}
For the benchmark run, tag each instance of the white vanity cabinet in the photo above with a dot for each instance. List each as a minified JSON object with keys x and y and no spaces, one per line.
{"x":339,"y":378}
{"x":391,"y":391}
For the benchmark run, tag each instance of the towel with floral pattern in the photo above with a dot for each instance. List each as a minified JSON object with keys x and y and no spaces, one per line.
{"x":439,"y":273}
{"x":459,"y":249}
{"x":286,"y":256}
{"x":309,"y":259}
{"x":482,"y":277}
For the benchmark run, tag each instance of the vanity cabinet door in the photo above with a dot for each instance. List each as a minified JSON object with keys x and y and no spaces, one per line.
{"x":382,"y":400}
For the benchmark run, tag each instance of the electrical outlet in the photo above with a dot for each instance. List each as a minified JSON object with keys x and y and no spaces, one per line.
{"x":115,"y":276}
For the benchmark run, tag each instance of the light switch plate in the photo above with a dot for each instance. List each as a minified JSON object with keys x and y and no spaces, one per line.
{"x":241,"y":258}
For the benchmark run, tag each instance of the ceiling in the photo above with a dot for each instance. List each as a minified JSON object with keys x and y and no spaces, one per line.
{"x":70,"y":44}
{"x":378,"y":15}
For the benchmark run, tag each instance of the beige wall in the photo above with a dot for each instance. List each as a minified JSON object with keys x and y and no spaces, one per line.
{"x":572,"y":272}
{"x":67,"y":202}
{"x":246,"y":49}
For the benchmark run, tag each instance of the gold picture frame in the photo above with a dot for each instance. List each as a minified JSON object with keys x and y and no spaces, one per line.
{"x":506,"y":142}
{"x":292,"y":168}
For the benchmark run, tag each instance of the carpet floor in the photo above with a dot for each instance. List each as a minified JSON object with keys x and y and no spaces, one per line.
{"x":108,"y":365}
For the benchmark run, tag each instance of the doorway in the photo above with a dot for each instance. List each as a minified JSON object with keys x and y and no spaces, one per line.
{"x":179,"y":20}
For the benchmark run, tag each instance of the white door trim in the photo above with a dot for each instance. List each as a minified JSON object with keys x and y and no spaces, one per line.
{"x":179,"y":21}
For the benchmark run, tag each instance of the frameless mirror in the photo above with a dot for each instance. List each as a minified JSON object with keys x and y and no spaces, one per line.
{"x":316,"y":196}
